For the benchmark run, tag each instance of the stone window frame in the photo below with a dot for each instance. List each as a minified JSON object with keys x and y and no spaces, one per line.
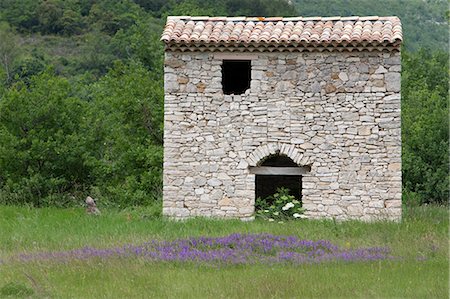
{"x":236,"y":57}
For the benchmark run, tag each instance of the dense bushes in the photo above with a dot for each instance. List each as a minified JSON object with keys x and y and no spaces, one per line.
{"x":425,"y":127}
{"x":125,"y":127}
{"x":56,"y":148}
{"x":43,"y":147}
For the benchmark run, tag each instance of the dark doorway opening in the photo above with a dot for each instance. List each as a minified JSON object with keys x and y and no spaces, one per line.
{"x":236,"y":76}
{"x":267,"y":184}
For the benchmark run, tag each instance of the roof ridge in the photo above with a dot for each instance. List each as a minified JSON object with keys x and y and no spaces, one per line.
{"x":271,"y":19}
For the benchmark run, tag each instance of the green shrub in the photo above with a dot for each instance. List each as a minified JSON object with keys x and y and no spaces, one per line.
{"x":42,"y":148}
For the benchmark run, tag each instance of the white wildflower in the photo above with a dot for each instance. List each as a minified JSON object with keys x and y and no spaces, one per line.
{"x":276,"y":213}
{"x":288,"y":206}
{"x":271,"y":220}
{"x":297,"y":215}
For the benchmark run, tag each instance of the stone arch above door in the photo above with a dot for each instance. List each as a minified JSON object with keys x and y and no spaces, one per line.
{"x":262,"y":152}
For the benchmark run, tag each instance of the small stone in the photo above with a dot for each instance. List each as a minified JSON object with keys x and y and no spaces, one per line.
{"x":201,"y":87}
{"x":199,"y":191}
{"x":223,"y":176}
{"x":315,"y":87}
{"x":201,"y":181}
{"x":330,"y":88}
{"x":242,"y":164}
{"x":216,"y":195}
{"x":91,"y":206}
{"x":378,"y":83}
{"x":291,"y":61}
{"x":380,"y":70}
{"x":297,"y":140}
{"x":350,"y":116}
{"x":173,"y":63}
{"x":289,"y":75}
{"x":306,"y":146}
{"x":395,"y":166}
{"x":225,"y":201}
{"x":393,"y":203}
{"x":393,"y":81}
{"x":183,"y":80}
{"x":364,"y":131}
{"x":214,"y":182}
{"x":343,"y":76}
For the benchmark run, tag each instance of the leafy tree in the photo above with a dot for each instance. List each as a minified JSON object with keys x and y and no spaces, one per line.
{"x":96,"y":55}
{"x":20,"y":14}
{"x":261,"y":8}
{"x":141,"y":43}
{"x":49,"y":14}
{"x":42,"y":149}
{"x":8,"y":51}
{"x":126,"y":135}
{"x":110,"y":16}
{"x":29,"y":66}
{"x":72,"y":22}
{"x":425,"y":127}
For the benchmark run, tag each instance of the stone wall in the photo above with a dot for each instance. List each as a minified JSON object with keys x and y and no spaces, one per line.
{"x":338,"y":112}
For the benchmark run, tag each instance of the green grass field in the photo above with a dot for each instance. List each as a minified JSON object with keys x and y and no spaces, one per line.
{"x":420,"y":242}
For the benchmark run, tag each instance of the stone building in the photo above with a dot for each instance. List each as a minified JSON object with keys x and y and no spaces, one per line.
{"x":312,"y":104}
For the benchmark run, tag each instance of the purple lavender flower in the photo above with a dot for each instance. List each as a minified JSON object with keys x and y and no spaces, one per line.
{"x":232,"y":249}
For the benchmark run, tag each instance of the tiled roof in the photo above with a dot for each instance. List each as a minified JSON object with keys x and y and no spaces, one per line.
{"x":282,"y":32}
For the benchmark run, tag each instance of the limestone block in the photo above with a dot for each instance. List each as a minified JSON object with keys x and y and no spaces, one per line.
{"x":395,"y":167}
{"x":393,"y":203}
{"x":242,"y":164}
{"x":200,"y":181}
{"x":247,"y":210}
{"x":214,"y":182}
{"x":223,"y":176}
{"x":330,"y":88}
{"x":216,"y":194}
{"x":306,"y":146}
{"x":364,"y":131}
{"x":173,"y":63}
{"x":199,"y":191}
{"x":350,"y":116}
{"x":381,"y":70}
{"x":343,"y":76}
{"x":355,"y":210}
{"x":393,"y":81}
{"x":225,"y":201}
{"x":334,"y":210}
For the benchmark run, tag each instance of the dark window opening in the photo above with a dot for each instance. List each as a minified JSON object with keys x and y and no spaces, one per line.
{"x":266,"y":185}
{"x":236,"y":76}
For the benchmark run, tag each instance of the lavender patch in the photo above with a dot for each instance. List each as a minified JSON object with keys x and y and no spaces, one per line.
{"x":232,"y":249}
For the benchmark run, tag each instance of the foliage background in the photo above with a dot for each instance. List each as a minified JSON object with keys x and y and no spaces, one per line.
{"x":81,"y":94}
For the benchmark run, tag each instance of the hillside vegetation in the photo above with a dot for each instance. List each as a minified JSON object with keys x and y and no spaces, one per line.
{"x":81,"y":94}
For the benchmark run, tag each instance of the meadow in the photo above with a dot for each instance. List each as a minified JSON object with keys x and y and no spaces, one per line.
{"x":418,"y":267}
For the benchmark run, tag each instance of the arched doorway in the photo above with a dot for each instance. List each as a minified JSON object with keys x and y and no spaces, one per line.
{"x":278,"y":171}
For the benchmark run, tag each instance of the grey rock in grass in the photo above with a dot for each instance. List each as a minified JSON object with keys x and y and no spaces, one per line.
{"x":91,"y":206}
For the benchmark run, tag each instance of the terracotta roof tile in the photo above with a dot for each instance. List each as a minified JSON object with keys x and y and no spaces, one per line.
{"x":278,"y":31}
